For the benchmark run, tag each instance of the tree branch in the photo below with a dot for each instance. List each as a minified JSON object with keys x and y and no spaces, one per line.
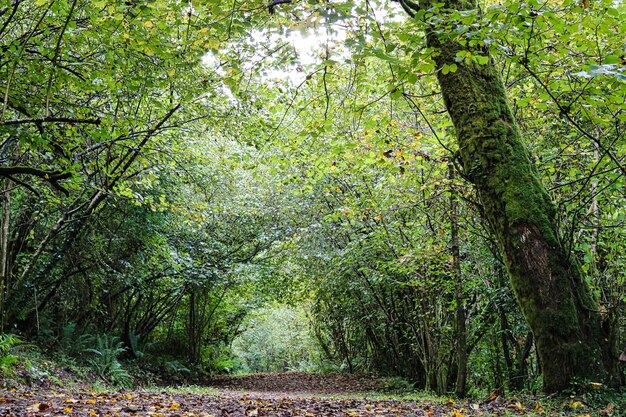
{"x":50,"y":120}
{"x":272,"y":6}
{"x":409,"y":7}
{"x":23,"y":184}
{"x":52,"y":177}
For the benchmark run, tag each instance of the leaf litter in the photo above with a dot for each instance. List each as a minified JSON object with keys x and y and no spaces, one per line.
{"x":284,"y":395}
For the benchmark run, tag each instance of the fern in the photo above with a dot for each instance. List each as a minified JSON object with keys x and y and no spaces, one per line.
{"x":74,"y":344}
{"x":106,"y":360}
{"x":176,"y":370}
{"x":134,"y":346}
{"x":7,"y":359}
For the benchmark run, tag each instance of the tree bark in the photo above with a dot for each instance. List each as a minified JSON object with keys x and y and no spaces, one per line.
{"x":547,"y":280}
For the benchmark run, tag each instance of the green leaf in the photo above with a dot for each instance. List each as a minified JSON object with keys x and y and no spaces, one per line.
{"x":482,"y":60}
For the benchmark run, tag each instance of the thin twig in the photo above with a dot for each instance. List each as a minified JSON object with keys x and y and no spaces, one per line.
{"x":10,"y":78}
{"x":57,"y":51}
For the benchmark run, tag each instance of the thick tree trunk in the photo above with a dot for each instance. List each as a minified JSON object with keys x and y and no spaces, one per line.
{"x":548,"y":283}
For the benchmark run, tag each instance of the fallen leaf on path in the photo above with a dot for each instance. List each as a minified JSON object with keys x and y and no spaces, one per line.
{"x":297,"y":397}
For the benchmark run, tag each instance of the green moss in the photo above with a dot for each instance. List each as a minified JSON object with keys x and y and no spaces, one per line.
{"x":547,"y":281}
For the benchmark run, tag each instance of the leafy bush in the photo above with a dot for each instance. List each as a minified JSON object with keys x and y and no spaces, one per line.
{"x":217,"y":359}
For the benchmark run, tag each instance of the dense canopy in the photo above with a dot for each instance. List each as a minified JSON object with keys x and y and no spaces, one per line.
{"x":428,"y":190}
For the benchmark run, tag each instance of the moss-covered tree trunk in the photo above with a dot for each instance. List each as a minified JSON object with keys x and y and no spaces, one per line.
{"x":548,"y":283}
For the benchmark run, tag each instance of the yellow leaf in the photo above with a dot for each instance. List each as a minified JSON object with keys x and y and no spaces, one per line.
{"x":92,"y":401}
{"x":175,"y":406}
{"x":539,"y":409}
{"x":457,"y":414}
{"x":212,"y":44}
{"x":149,"y":24}
{"x":68,"y":409}
{"x":518,"y":406}
{"x":577,"y":404}
{"x":171,"y":72}
{"x":149,"y":51}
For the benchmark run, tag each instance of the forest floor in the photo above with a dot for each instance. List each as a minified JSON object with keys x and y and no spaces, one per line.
{"x":290,"y":394}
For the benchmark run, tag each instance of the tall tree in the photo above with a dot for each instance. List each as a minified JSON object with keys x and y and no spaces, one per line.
{"x":549,"y":284}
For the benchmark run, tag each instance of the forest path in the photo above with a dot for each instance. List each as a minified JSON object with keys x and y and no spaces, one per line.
{"x":299,"y":383}
{"x":192,"y":404}
{"x":291,"y":394}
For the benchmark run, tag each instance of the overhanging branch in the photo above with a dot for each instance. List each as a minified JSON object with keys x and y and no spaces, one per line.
{"x":52,"y":177}
{"x":272,"y":6}
{"x":50,"y":120}
{"x":409,"y":6}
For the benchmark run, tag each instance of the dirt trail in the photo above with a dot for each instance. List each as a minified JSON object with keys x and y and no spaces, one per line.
{"x":192,"y":404}
{"x":298,"y":383}
{"x":254,"y":396}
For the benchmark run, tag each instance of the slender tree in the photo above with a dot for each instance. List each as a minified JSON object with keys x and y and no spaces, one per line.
{"x":461,"y":331}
